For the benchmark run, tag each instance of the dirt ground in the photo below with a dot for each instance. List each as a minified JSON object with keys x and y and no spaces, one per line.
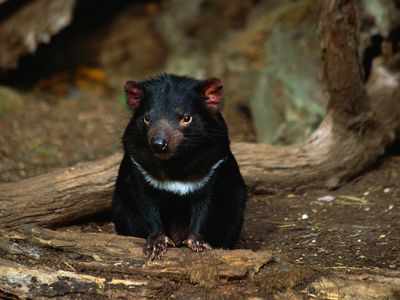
{"x":355,"y":227}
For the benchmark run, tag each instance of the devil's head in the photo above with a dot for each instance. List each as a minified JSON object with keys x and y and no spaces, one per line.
{"x":174,"y":115}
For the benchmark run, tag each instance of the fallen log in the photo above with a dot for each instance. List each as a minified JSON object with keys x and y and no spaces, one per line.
{"x":98,"y":251}
{"x":28,"y":282}
{"x":363,"y":284}
{"x":41,"y":263}
{"x":59,"y":197}
{"x":77,"y":259}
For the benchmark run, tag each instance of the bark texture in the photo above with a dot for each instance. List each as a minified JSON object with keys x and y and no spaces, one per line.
{"x":74,"y":256}
{"x":61,"y":196}
{"x":42,"y":263}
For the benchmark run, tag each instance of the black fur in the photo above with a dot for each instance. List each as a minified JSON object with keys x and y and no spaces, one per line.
{"x":213,"y":214}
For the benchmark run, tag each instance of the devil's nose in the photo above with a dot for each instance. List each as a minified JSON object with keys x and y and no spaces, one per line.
{"x":158,"y":144}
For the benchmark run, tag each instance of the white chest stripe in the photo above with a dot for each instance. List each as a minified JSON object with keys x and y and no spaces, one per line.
{"x":177,"y":187}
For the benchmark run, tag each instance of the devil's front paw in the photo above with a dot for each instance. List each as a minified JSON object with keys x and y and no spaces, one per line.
{"x":157,"y":245}
{"x":196,"y":243}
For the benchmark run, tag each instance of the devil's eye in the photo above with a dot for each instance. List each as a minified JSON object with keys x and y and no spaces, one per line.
{"x":187,"y":118}
{"x":146,"y":119}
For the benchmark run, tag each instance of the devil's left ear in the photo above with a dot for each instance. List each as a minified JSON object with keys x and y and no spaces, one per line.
{"x":213,"y":93}
{"x":133,"y":94}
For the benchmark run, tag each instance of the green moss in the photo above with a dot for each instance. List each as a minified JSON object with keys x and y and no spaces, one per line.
{"x":122,"y":101}
{"x":48,"y":151}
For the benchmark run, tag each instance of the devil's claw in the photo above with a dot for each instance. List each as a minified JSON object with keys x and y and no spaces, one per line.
{"x":156,"y":246}
{"x":196,"y":243}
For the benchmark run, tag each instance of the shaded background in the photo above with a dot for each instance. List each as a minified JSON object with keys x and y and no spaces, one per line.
{"x":64,"y":65}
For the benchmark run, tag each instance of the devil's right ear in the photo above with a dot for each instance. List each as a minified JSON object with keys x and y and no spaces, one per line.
{"x":133,"y":94}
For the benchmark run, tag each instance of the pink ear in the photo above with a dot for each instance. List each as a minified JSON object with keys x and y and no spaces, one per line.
{"x":133,"y":94}
{"x":213,"y":93}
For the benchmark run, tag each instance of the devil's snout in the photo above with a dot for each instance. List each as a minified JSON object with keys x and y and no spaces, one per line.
{"x":159,"y":143}
{"x":159,"y":136}
{"x":164,"y":139}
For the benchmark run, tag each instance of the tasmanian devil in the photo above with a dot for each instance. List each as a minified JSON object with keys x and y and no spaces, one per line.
{"x":178,"y":182}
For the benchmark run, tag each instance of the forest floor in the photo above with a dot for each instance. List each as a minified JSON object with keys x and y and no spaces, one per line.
{"x":355,"y":227}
